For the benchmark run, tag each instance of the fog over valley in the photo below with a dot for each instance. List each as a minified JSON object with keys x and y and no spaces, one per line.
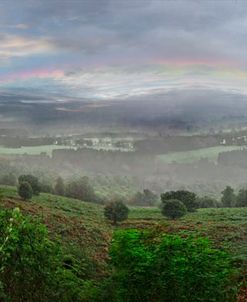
{"x":123,"y":150}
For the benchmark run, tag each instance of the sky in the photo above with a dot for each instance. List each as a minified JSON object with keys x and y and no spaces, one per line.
{"x":110,"y":49}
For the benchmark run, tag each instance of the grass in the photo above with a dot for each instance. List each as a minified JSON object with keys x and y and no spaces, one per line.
{"x":82,"y":225}
{"x":78,"y":224}
{"x":34,"y":150}
{"x":195,"y":155}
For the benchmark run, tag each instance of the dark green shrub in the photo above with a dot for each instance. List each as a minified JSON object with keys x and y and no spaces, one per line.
{"x":168,"y":269}
{"x":25,"y":190}
{"x":116,"y":211}
{"x":188,"y":198}
{"x":32,"y":266}
{"x":173,"y":209}
{"x":81,"y":189}
{"x":241,"y":200}
{"x":228,"y":197}
{"x":32,"y":180}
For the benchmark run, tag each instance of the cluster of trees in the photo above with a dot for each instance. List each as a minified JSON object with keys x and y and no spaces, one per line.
{"x":29,"y":185}
{"x":176,"y":204}
{"x":230,"y":199}
{"x":145,"y":198}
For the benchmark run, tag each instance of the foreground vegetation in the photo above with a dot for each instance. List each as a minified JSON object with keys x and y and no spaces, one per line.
{"x":84,"y":238}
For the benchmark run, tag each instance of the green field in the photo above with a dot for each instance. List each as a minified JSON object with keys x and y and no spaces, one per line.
{"x":195,"y":155}
{"x":34,"y":150}
{"x":224,"y":226}
{"x":83,"y":228}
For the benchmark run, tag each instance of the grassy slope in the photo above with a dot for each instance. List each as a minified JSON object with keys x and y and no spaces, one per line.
{"x":80,"y":225}
{"x":226,"y":227}
{"x":84,"y":222}
{"x":83,"y":225}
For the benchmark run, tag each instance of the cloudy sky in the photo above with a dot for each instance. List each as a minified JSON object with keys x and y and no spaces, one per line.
{"x":104,"y":49}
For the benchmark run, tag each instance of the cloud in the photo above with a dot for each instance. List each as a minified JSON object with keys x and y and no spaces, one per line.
{"x":18,"y":46}
{"x":110,"y":48}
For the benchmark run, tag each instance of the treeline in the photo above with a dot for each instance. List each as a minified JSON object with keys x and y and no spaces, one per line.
{"x":84,"y":188}
{"x":79,"y":188}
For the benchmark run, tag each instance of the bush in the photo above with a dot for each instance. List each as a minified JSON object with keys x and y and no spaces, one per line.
{"x":32,"y":180}
{"x":147,"y":198}
{"x":81,"y":189}
{"x":207,"y":202}
{"x":25,"y":190}
{"x":173,"y":209}
{"x":188,"y":198}
{"x":168,"y":268}
{"x":228,"y":197}
{"x":241,"y":198}
{"x":116,"y":211}
{"x":31,"y":265}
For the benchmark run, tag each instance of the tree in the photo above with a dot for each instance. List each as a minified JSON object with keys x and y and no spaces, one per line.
{"x":173,"y":208}
{"x":25,"y":190}
{"x":32,"y":180}
{"x":59,"y":187}
{"x":81,"y":189}
{"x":242,"y":198}
{"x":188,"y":198}
{"x":116,"y":211}
{"x":207,"y":202}
{"x":228,"y":199}
{"x":147,"y":198}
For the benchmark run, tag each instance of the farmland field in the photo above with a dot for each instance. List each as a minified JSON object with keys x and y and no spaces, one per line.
{"x":195,"y":155}
{"x":32,"y":150}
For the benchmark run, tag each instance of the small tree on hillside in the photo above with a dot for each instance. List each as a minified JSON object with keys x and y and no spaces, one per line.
{"x":242,"y":198}
{"x":81,"y":189}
{"x":228,"y":197}
{"x":25,"y":190}
{"x":207,"y":202}
{"x":116,"y":211}
{"x":147,"y":198}
{"x":33,"y":181}
{"x":173,"y":209}
{"x":188,"y":198}
{"x":59,"y":187}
